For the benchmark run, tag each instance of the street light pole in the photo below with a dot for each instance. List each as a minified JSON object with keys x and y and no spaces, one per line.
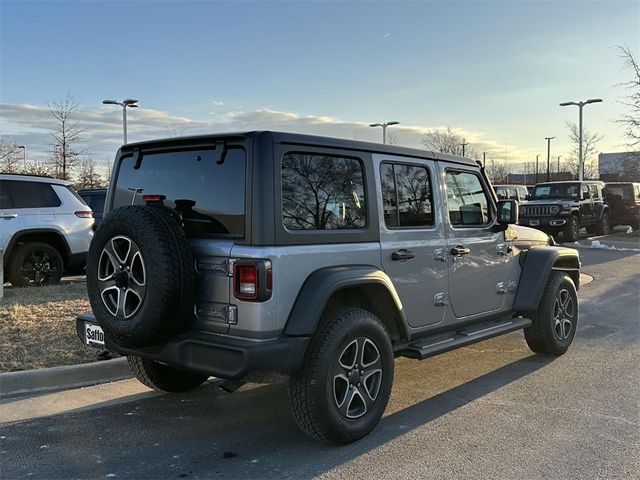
{"x":537,"y":156}
{"x":24,"y":156}
{"x":580,"y":105}
{"x":559,"y":166}
{"x":548,"y":139}
{"x":384,"y":129}
{"x":127,"y":102}
{"x":464,"y":144}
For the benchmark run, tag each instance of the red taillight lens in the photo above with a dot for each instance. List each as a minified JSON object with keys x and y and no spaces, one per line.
{"x":245,"y":279}
{"x":83,"y":214}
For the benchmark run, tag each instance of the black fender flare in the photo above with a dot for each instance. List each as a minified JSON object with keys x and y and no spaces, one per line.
{"x":322,"y":284}
{"x":536,"y":268}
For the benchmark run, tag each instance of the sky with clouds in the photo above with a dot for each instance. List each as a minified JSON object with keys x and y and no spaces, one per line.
{"x":493,"y":70}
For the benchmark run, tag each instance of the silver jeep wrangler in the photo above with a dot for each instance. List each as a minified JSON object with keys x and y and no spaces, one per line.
{"x":262,"y":254}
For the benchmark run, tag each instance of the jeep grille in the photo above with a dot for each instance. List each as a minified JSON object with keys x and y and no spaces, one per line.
{"x":535,"y":211}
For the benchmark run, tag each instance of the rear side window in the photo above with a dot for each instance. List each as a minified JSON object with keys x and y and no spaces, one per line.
{"x":322,"y":192}
{"x":32,"y":194}
{"x":406,"y":194}
{"x":466,"y":199}
{"x":5,"y":197}
{"x":209,"y":196}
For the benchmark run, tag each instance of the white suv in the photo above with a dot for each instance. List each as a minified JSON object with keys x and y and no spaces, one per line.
{"x":45,"y":229}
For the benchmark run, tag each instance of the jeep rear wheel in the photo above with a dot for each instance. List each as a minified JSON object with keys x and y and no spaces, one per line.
{"x":571,"y":230}
{"x":602,"y":228}
{"x":343,"y":387}
{"x":554,"y":324}
{"x":162,"y":377}
{"x":34,"y":265}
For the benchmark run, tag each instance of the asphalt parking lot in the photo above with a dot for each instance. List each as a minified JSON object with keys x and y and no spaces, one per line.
{"x":491,"y":410}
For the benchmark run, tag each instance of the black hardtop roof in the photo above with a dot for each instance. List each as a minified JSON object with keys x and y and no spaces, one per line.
{"x":569,"y":181}
{"x":308,"y":140}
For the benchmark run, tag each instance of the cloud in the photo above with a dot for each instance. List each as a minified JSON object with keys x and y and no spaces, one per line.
{"x":30,"y":124}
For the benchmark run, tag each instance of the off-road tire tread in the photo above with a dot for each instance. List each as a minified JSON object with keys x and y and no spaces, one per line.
{"x":303,"y":402}
{"x":174,"y":309}
{"x":538,"y":336}
{"x":599,"y":227}
{"x":163,"y":378}
{"x":567,"y":231}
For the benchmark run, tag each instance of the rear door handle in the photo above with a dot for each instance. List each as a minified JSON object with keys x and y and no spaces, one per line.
{"x":402,"y":255}
{"x":8,"y":216}
{"x":460,"y":250}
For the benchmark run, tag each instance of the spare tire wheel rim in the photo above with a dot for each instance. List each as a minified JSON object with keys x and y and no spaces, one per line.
{"x":122,"y":277}
{"x":357,"y":378}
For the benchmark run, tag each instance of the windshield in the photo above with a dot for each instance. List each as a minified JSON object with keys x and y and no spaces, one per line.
{"x":556,"y":190}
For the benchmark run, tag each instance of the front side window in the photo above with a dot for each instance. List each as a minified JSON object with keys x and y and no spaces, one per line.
{"x":406,"y":195}
{"x":32,"y":194}
{"x":209,"y":196}
{"x":467,"y":201}
{"x":322,"y":192}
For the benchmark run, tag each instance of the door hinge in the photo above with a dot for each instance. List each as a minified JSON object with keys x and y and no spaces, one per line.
{"x":223,"y":266}
{"x":227,"y":313}
{"x":441,"y":299}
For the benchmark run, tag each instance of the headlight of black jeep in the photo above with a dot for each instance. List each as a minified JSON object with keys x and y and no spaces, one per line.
{"x":555,"y":209}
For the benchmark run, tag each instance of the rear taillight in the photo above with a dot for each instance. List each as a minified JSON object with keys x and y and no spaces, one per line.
{"x":245,"y":279}
{"x":252,"y":280}
{"x":83,"y":213}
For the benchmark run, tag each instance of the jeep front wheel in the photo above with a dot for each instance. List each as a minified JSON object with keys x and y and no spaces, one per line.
{"x":572,"y":229}
{"x":554,"y":324}
{"x":343,"y":387}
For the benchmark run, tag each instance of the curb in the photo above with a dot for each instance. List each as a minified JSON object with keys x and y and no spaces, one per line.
{"x":61,"y":378}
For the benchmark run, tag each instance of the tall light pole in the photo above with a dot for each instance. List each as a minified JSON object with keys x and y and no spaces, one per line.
{"x":24,"y":155}
{"x":537,"y":156}
{"x":384,"y":129}
{"x":559,"y":166}
{"x":463,"y":145}
{"x":580,"y":105}
{"x":548,"y":139}
{"x":127,"y":102}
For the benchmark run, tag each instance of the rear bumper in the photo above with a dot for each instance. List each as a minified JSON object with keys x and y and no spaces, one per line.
{"x":216,"y":355}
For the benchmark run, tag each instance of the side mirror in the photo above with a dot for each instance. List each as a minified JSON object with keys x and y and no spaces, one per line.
{"x":507,"y":212}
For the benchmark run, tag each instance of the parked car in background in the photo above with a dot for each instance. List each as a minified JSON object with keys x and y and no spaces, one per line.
{"x":623,"y":199}
{"x":45,"y":229}
{"x":566,"y":207}
{"x":513,"y":192}
{"x":95,"y":198}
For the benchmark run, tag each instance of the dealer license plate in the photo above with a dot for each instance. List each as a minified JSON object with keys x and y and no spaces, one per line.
{"x":93,"y":335}
{"x":534,"y":223}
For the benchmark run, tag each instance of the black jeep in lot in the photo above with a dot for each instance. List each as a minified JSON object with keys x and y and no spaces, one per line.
{"x":623,"y":199}
{"x":566,"y":207}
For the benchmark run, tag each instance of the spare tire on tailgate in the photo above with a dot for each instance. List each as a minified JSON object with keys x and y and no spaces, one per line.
{"x":141,"y":276}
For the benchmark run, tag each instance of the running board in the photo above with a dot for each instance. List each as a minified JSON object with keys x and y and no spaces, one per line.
{"x":443,"y":342}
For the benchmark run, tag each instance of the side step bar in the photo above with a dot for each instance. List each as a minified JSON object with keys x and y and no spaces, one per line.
{"x":443,"y":342}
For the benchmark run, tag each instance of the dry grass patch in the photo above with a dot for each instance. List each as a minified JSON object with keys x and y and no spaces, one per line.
{"x":38,"y":328}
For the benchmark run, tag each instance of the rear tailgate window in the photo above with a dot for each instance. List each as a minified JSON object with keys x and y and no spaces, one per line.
{"x":209,"y":196}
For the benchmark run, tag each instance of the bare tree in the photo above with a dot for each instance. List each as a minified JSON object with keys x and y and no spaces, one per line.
{"x":10,"y":156}
{"x":392,"y":138}
{"x":66,"y":136}
{"x":446,"y":141}
{"x":107,"y":172}
{"x":88,"y":175}
{"x":589,"y":150}
{"x":631,"y":120}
